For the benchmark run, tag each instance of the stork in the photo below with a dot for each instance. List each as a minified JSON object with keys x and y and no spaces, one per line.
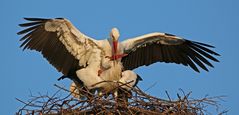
{"x":92,"y":61}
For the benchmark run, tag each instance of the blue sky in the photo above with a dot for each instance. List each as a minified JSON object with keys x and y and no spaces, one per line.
{"x":210,"y":21}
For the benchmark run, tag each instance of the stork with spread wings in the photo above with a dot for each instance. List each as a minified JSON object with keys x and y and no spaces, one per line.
{"x":89,"y":61}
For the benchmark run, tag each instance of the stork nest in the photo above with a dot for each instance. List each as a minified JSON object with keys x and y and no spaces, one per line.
{"x":135,"y":102}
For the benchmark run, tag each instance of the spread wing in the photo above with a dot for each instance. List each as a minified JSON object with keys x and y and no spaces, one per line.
{"x":65,"y":47}
{"x":163,"y":47}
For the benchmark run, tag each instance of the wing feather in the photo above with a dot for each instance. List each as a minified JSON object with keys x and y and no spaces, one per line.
{"x":161,"y":47}
{"x":30,"y":24}
{"x":204,"y":53}
{"x":193,"y":57}
{"x":196,"y":54}
{"x":28,"y":29}
{"x":205,"y":49}
{"x":36,"y":19}
{"x":55,"y":39}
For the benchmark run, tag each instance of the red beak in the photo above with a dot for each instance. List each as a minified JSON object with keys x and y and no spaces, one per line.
{"x":115,"y":47}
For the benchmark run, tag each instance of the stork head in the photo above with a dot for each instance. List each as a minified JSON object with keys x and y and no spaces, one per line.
{"x":114,"y":35}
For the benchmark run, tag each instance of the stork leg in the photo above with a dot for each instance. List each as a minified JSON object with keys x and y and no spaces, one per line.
{"x":115,"y":96}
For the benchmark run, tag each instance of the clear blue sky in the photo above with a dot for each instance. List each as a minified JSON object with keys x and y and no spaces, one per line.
{"x":210,"y":21}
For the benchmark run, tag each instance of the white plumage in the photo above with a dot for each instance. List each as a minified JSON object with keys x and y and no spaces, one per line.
{"x":129,"y":79}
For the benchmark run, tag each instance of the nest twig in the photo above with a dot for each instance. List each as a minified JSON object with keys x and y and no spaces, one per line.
{"x":136,"y":102}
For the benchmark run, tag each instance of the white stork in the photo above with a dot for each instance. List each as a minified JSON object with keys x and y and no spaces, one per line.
{"x":91,"y":61}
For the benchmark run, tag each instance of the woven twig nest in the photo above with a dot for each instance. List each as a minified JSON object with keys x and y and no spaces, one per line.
{"x":135,"y":102}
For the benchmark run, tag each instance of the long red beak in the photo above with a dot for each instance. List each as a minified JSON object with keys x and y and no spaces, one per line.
{"x":115,"y":47}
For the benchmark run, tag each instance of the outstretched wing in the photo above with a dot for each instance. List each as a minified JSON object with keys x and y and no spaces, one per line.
{"x":163,"y":47}
{"x":66,"y":48}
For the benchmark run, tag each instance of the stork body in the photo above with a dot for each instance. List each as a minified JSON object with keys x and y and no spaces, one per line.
{"x":93,"y":61}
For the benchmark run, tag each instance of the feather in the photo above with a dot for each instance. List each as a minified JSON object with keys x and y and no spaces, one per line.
{"x":28,"y":29}
{"x":36,"y":19}
{"x":168,"y":48}
{"x":30,"y":24}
